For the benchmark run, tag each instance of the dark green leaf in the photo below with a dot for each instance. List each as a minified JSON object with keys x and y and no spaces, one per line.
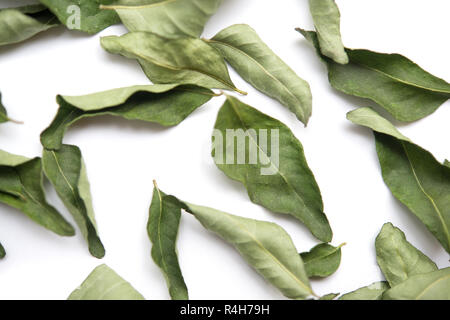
{"x":259,"y":65}
{"x":281,"y":182}
{"x":412,"y":174}
{"x":183,"y":60}
{"x":167,"y":105}
{"x":3,"y":113}
{"x":105,"y":284}
{"x":373,"y":292}
{"x":397,"y":258}
{"x":322,"y":261}
{"x":447,"y":163}
{"x":66,"y":171}
{"x":2,"y":252}
{"x":396,"y":83}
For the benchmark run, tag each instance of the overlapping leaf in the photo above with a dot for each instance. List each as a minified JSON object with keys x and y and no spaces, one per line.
{"x":322,"y":261}
{"x":373,"y":292}
{"x":259,"y":65}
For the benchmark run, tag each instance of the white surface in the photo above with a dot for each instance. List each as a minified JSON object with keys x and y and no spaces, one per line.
{"x":124,"y":156}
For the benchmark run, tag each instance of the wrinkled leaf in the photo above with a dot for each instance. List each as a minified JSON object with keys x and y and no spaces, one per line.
{"x":167,"y":105}
{"x":327,"y":21}
{"x":66,"y":171}
{"x":429,"y":286}
{"x":105,"y":284}
{"x":82,"y":15}
{"x":396,"y":83}
{"x":397,"y":258}
{"x":282,"y":181}
{"x":322,"y":261}
{"x":2,"y":252}
{"x":412,"y":174}
{"x":259,"y":65}
{"x":373,"y":292}
{"x":330,"y":296}
{"x":162,"y":227}
{"x":22,"y":23}
{"x":183,"y":60}
{"x":168,"y":18}
{"x":21,"y":181}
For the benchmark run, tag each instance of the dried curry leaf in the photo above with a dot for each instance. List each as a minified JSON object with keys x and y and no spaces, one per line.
{"x":330,"y":296}
{"x":412,"y":174}
{"x":167,"y":105}
{"x":260,"y":66}
{"x":373,"y":292}
{"x":282,"y":181}
{"x":105,"y":284}
{"x":2,"y":252}
{"x":322,"y":261}
{"x":66,"y":171}
{"x":394,"y":82}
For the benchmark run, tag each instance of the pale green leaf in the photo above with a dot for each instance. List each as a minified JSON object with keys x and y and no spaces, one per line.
{"x":322,"y":261}
{"x":330,"y":296}
{"x":373,"y":292}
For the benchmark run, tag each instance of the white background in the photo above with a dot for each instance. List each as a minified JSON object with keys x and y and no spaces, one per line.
{"x":123,"y":157}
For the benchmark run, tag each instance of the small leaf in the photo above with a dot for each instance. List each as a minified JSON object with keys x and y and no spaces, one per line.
{"x":396,"y":83}
{"x":373,"y":292}
{"x":412,"y":174}
{"x":397,"y":258}
{"x":327,"y":21}
{"x":330,"y":296}
{"x":183,"y":60}
{"x":163,"y":223}
{"x":282,"y":181}
{"x":2,"y":252}
{"x":82,"y":15}
{"x":21,"y":23}
{"x":260,"y":66}
{"x":66,"y":171}
{"x":429,"y":286}
{"x":105,"y":284}
{"x":322,"y":261}
{"x":168,"y":18}
{"x":167,"y":105}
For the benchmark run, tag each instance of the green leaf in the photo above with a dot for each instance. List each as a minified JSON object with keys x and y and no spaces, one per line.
{"x":327,"y":21}
{"x":330,"y":296}
{"x":322,"y":261}
{"x":260,"y":66}
{"x":183,"y":60}
{"x":264,"y":245}
{"x":447,"y":163}
{"x":22,"y":23}
{"x":66,"y":171}
{"x":413,"y":175}
{"x":429,"y":286}
{"x":397,"y":258}
{"x":162,"y":227}
{"x":373,"y":292}
{"x":282,"y":181}
{"x":105,"y":284}
{"x":168,"y":18}
{"x":2,"y":252}
{"x":396,"y":83}
{"x":167,"y":105}
{"x":3,"y":113}
{"x":82,"y":15}
{"x":21,"y":181}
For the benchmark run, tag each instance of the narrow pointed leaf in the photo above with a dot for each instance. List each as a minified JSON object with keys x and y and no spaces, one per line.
{"x":105,"y":284}
{"x":182,"y":60}
{"x":21,"y":23}
{"x":259,"y":65}
{"x":282,"y":181}
{"x":66,"y":171}
{"x":168,"y":18}
{"x":167,"y":105}
{"x":396,"y":83}
{"x":162,"y":228}
{"x":429,"y":286}
{"x":373,"y":292}
{"x":413,"y":175}
{"x":322,"y":261}
{"x":397,"y":258}
{"x":327,"y":21}
{"x":82,"y":15}
{"x":2,"y":252}
{"x":21,"y":181}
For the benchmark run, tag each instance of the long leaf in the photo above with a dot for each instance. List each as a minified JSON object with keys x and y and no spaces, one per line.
{"x":168,"y":18}
{"x":105,"y":284}
{"x":396,"y":83}
{"x":322,"y":261}
{"x":167,"y":105}
{"x":397,"y":258}
{"x":66,"y":171}
{"x":259,"y":65}
{"x":182,"y":60}
{"x":373,"y":292}
{"x":282,"y":181}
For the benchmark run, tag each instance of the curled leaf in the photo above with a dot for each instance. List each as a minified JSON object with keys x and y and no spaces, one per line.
{"x":322,"y":261}
{"x":373,"y":292}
